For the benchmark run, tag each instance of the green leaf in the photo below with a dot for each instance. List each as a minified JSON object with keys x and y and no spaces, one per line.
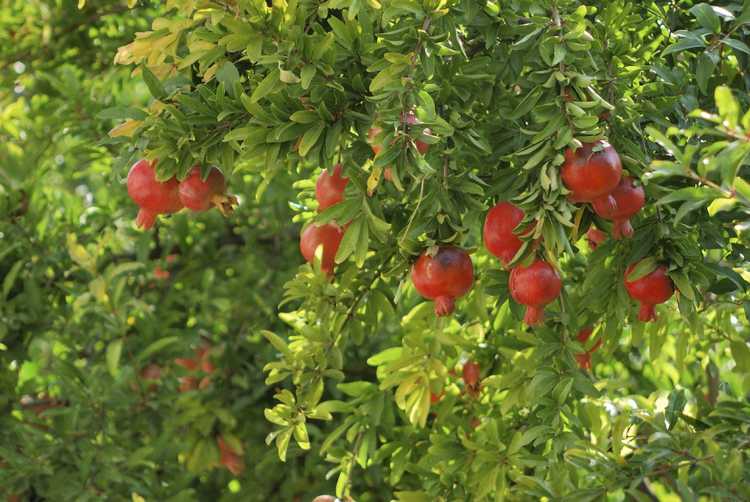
{"x":642,"y":269}
{"x":228,"y":75}
{"x":693,"y":194}
{"x":157,"y":346}
{"x":350,"y":240}
{"x":307,"y":74}
{"x":741,"y":355}
{"x":114,"y":350}
{"x":10,"y":277}
{"x":386,"y":76}
{"x":526,"y":104}
{"x":268,"y":85}
{"x":683,"y":45}
{"x":729,"y":109}
{"x":155,"y":87}
{"x":311,"y":137}
{"x":737,"y":45}
{"x":706,"y":17}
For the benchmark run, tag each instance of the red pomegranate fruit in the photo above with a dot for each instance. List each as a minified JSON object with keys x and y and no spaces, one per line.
{"x":534,"y":286}
{"x":436,"y":398}
{"x":584,"y":358}
{"x":651,"y":289}
{"x":152,"y":197}
{"x":595,"y":237}
{"x":592,"y":172}
{"x":629,"y":199}
{"x":329,"y":236}
{"x":471,"y":376}
{"x":329,"y":189}
{"x":198,"y":194}
{"x":502,"y":220}
{"x":411,"y":119}
{"x":443,"y":277}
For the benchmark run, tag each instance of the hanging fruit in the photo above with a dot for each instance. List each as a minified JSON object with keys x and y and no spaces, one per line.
{"x":443,"y":277}
{"x":329,"y":236}
{"x":650,"y":290}
{"x":534,"y":286}
{"x":152,"y":197}
{"x":499,"y":234}
{"x":198,"y":194}
{"x":592,"y":172}
{"x":629,"y":199}
{"x":329,"y":189}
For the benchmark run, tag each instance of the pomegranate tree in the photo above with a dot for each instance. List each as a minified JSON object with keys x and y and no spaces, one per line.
{"x":443,"y":277}
{"x":499,"y":234}
{"x":652,"y":289}
{"x":153,"y":197}
{"x":629,"y":198}
{"x":534,"y":286}
{"x":198,"y":194}
{"x":329,"y":189}
{"x":329,"y":236}
{"x":592,"y":172}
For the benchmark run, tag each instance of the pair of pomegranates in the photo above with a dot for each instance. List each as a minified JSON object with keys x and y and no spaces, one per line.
{"x":329,"y":191}
{"x":534,"y":285}
{"x":155,"y":197}
{"x":593,"y":174}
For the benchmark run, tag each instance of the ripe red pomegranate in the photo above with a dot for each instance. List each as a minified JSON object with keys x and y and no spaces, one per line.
{"x":471,"y":376}
{"x":534,"y":286}
{"x":649,"y":290}
{"x":443,"y":277}
{"x":152,"y":197}
{"x":329,"y":236}
{"x":198,"y":194}
{"x":229,"y":458}
{"x":629,"y":199}
{"x":499,"y":225}
{"x":591,"y":175}
{"x":329,"y":189}
{"x":595,"y":237}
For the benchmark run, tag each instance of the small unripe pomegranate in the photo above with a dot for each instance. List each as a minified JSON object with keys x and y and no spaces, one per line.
{"x":329,"y":189}
{"x":198,"y":194}
{"x":499,"y":226}
{"x":629,"y":199}
{"x":534,"y":286}
{"x":591,"y":175}
{"x":443,"y":277}
{"x":649,"y":290}
{"x":229,"y":458}
{"x":595,"y":237}
{"x":152,"y":197}
{"x":329,"y":236}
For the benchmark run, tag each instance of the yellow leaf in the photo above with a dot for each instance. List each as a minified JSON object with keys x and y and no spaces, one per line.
{"x":127,"y":128}
{"x":131,"y":4}
{"x":98,"y":288}
{"x":135,"y":496}
{"x":81,"y":4}
{"x":80,"y":255}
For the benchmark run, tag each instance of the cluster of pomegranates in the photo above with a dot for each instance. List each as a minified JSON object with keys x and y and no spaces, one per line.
{"x":329,"y":191}
{"x":154,"y":197}
{"x":593,"y":174}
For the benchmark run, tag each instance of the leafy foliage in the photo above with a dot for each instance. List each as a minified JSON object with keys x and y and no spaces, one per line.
{"x":363,"y":373}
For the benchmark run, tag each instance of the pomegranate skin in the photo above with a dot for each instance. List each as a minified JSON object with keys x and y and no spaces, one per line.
{"x":152,"y":197}
{"x":329,"y":236}
{"x":649,"y":290}
{"x":629,"y":199}
{"x":444,"y":277}
{"x":534,"y":286}
{"x":329,"y":189}
{"x":499,"y":225}
{"x":471,"y":373}
{"x":197,"y":194}
{"x":590,"y":175}
{"x":595,"y":237}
